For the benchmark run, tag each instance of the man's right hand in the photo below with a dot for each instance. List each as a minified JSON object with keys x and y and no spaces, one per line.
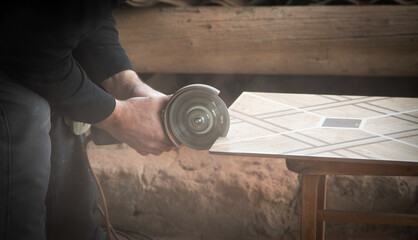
{"x":138,"y":123}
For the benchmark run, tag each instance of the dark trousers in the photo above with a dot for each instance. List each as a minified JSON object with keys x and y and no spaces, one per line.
{"x":46,"y":190}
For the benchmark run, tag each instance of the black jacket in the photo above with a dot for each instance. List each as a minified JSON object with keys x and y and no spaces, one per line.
{"x":62,"y":51}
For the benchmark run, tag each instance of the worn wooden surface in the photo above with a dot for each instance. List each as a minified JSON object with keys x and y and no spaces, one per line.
{"x":376,"y":218}
{"x":309,"y":197}
{"x":334,"y":40}
{"x":322,"y":205}
{"x":351,"y":167}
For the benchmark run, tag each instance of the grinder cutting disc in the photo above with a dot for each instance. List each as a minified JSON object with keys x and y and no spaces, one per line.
{"x":196,"y":116}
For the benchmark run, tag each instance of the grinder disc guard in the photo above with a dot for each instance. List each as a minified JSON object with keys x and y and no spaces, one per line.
{"x":196,"y":116}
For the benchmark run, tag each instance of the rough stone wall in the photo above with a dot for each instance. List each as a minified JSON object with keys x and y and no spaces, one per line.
{"x":193,"y":194}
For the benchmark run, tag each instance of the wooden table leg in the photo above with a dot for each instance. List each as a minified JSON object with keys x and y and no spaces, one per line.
{"x":309,"y":206}
{"x":322,"y":201}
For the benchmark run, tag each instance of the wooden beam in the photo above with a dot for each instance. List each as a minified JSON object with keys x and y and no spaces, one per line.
{"x":373,"y":168}
{"x":375,"y":218}
{"x":321,"y":40}
{"x":309,"y":197}
{"x":322,"y":205}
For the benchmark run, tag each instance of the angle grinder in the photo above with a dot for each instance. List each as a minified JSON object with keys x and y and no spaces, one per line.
{"x":195,"y":116}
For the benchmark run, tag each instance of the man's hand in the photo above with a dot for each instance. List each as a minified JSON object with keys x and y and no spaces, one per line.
{"x":137,"y":118}
{"x":138,"y":123}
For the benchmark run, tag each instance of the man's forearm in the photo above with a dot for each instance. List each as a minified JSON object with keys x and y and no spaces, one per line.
{"x":137,"y":122}
{"x":127,"y":84}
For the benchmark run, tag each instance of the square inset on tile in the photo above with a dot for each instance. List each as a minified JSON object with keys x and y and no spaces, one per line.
{"x":341,"y":123}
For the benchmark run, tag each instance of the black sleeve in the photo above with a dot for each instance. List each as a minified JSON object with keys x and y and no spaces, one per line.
{"x":37,"y":53}
{"x":101,"y":54}
{"x":68,"y":90}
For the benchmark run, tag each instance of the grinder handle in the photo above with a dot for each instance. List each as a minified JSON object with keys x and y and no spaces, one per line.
{"x":101,"y":137}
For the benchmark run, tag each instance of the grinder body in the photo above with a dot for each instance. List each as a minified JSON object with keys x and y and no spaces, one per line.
{"x":195,"y":116}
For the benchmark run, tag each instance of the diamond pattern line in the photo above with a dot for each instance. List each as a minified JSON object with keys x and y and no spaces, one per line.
{"x":330,"y":98}
{"x":354,"y":152}
{"x":347,"y":148}
{"x":342,"y":104}
{"x":282,"y":104}
{"x":332,"y":145}
{"x":410,"y":115}
{"x":230,"y":142}
{"x":234,"y":120}
{"x":315,"y":139}
{"x":333,"y":103}
{"x":351,"y":153}
{"x":403,"y":134}
{"x":299,"y":140}
{"x":349,"y":101}
{"x":258,"y":123}
{"x":264,"y":136}
{"x":338,"y":154}
{"x":414,"y":135}
{"x":401,"y":118}
{"x":276,"y":113}
{"x":237,"y":121}
{"x":378,"y":106}
{"x":345,"y":97}
{"x":338,"y":98}
{"x":262,"y":120}
{"x":391,"y":114}
{"x":369,"y":109}
{"x":390,"y":138}
{"x":284,"y":115}
{"x":354,"y":96}
{"x":377,"y":109}
{"x":405,"y":131}
{"x":274,"y":124}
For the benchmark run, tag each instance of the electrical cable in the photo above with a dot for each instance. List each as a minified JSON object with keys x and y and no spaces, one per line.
{"x":124,"y":231}
{"x":111,"y":227}
{"x":99,"y":187}
{"x":124,"y":235}
{"x":104,"y":211}
{"x":134,"y":232}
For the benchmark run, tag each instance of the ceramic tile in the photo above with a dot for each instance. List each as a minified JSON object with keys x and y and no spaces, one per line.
{"x":369,"y":128}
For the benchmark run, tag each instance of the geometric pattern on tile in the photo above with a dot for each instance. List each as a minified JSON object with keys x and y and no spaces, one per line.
{"x":292,"y":125}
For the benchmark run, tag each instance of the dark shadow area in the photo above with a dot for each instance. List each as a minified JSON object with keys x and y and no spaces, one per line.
{"x":231,"y":86}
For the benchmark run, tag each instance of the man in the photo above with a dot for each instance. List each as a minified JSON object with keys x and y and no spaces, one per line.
{"x":60,"y":61}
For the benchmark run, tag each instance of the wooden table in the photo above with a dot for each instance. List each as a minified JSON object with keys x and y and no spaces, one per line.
{"x":322,"y":135}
